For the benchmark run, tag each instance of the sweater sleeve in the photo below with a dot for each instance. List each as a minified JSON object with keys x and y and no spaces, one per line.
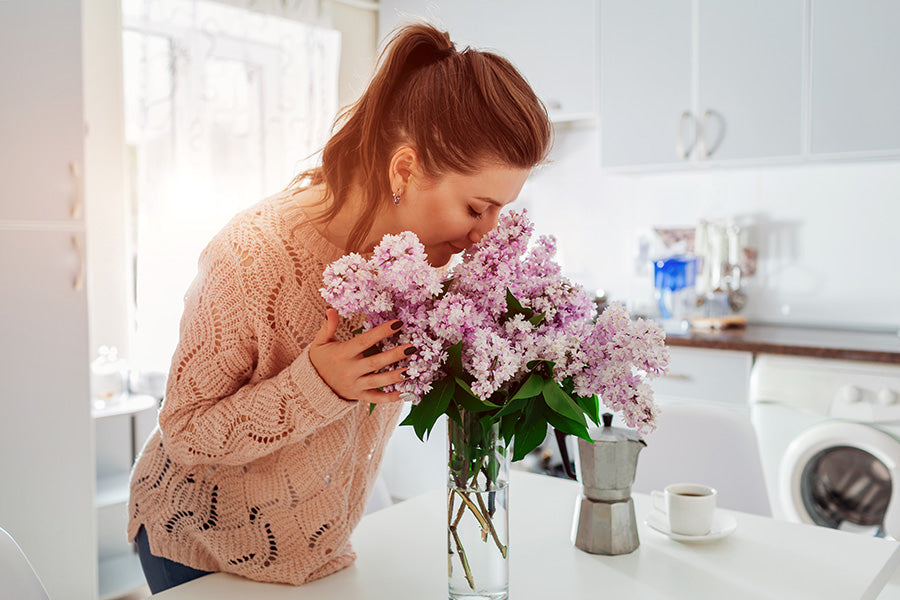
{"x":217,"y":410}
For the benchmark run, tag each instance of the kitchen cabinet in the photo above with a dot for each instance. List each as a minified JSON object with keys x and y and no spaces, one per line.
{"x":46,"y":431}
{"x":689,"y":81}
{"x":554,"y":46}
{"x":854,"y":77}
{"x":707,"y":375}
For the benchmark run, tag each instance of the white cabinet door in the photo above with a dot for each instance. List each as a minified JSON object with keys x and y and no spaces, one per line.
{"x":750,"y":73}
{"x":553,"y":45}
{"x":41,"y":122}
{"x":46,"y":463}
{"x":720,"y":376}
{"x":645,"y":79}
{"x":855,"y":76}
{"x":726,"y":71}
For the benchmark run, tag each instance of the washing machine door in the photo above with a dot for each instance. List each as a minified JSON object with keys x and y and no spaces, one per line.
{"x":844,"y":476}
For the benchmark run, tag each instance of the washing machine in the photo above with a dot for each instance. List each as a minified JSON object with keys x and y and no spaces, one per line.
{"x":829,"y":440}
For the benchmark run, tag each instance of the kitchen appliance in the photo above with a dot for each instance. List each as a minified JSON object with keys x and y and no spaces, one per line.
{"x":604,"y":521}
{"x":723,"y":266}
{"x":829,"y":438}
{"x":674,"y":279}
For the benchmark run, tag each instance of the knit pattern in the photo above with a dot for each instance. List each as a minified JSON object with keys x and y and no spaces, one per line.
{"x":257,"y":467}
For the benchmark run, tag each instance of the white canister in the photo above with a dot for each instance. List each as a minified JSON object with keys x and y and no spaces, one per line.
{"x":109,"y":376}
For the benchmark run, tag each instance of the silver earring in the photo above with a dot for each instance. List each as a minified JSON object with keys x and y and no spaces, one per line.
{"x":396,"y":196}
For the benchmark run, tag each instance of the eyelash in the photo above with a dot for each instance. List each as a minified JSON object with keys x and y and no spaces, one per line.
{"x":475,"y":215}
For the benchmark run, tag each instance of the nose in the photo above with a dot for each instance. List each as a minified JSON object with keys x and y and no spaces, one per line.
{"x":483,"y":228}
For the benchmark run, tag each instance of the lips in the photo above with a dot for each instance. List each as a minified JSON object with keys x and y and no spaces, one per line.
{"x":456,"y":249}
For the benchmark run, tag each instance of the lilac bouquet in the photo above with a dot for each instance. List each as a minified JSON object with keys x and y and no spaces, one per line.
{"x":507,"y":346}
{"x":506,"y":336}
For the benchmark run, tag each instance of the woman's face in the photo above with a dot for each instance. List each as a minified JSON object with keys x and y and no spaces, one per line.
{"x":452,"y":212}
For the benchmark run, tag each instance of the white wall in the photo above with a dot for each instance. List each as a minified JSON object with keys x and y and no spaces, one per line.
{"x":828,"y":234}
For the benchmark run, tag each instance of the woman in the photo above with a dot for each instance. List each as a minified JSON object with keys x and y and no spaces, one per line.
{"x":266,"y":453}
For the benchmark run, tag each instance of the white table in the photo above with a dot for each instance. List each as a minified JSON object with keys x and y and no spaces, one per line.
{"x":402,"y":554}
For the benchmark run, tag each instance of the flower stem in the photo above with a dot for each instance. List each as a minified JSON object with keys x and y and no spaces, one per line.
{"x":490,"y":522}
{"x":475,"y":511}
{"x":462,"y":558}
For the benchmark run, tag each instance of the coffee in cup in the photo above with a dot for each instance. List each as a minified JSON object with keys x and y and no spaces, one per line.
{"x":689,"y":507}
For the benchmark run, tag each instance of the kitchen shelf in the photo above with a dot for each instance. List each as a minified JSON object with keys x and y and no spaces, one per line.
{"x":132,"y":403}
{"x":120,"y":575}
{"x":112,"y":490}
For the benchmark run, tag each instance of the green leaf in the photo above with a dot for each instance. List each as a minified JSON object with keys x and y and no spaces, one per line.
{"x":443,"y":390}
{"x":530,"y":434}
{"x":454,"y":360}
{"x":511,"y":407}
{"x":372,"y":406}
{"x":568,"y":426}
{"x":536,"y":319}
{"x":547,"y":364}
{"x":508,"y":426}
{"x":590,"y":405}
{"x":466,"y":399}
{"x":532,"y":387}
{"x":560,"y":402}
{"x":514,"y":307}
{"x":465,"y":386}
{"x":423,"y":415}
{"x":445,"y":287}
{"x":453,"y":414}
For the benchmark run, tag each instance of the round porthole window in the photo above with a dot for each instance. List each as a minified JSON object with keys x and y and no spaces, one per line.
{"x":844,"y":487}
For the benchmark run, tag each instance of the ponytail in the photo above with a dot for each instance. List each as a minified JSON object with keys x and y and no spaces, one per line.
{"x":458,"y":110}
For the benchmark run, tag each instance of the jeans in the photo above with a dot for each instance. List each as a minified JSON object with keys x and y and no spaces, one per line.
{"x":162,"y":573}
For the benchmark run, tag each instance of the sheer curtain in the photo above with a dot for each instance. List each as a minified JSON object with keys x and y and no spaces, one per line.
{"x":223,"y":107}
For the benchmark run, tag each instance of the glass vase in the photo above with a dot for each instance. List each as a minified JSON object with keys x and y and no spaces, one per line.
{"x":477,"y":510}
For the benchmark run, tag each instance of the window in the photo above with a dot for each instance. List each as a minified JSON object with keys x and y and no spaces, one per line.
{"x":223,"y":106}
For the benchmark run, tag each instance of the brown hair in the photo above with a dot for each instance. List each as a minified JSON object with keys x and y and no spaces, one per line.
{"x":457,"y":110}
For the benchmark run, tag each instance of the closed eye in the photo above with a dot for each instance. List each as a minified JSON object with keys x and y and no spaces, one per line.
{"x":475,"y":214}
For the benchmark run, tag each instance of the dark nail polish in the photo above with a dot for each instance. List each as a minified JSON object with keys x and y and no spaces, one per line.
{"x":409,"y":351}
{"x":397,"y":325}
{"x":405,"y":374}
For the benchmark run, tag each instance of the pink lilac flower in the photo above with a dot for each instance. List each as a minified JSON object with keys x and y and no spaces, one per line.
{"x":609,"y":355}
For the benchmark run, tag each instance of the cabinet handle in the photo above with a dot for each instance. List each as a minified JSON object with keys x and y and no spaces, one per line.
{"x":78,"y":204}
{"x":678,"y":376}
{"x":706,"y":150}
{"x":78,"y":283}
{"x":680,"y":149}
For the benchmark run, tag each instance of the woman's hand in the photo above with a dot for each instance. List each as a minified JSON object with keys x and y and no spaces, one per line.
{"x":350,"y":374}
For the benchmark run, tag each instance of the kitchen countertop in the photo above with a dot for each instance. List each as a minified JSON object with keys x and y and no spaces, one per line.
{"x":799,"y":341}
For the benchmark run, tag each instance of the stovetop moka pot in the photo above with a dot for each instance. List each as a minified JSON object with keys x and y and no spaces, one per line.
{"x":604,"y":520}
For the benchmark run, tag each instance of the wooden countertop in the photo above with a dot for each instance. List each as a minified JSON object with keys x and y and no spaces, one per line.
{"x":799,"y":341}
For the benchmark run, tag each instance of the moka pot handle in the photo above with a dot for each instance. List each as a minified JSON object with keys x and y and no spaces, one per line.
{"x":564,"y":453}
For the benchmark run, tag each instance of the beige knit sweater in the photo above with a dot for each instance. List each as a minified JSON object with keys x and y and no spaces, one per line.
{"x":257,"y":467}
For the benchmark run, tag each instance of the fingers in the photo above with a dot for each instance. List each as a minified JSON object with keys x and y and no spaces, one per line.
{"x":346,"y":368}
{"x":380,"y":380}
{"x":328,"y":329}
{"x":369,"y":338}
{"x":377,"y":362}
{"x":379,"y":397}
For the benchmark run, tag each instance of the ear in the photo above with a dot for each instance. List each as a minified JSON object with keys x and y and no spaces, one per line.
{"x":404,"y":164}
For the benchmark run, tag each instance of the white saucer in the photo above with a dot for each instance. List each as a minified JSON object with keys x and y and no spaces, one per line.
{"x":723,"y":524}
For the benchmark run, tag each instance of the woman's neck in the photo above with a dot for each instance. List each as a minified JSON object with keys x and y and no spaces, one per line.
{"x":316,"y":201}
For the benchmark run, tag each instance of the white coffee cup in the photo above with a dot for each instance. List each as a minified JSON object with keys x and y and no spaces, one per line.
{"x":689,"y":507}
